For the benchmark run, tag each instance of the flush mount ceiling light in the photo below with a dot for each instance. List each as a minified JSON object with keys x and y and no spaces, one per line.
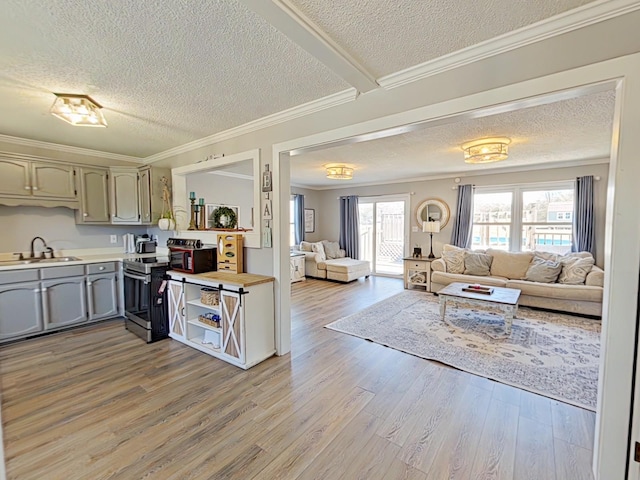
{"x":339,"y":172}
{"x":486,"y":150}
{"x":78,"y":110}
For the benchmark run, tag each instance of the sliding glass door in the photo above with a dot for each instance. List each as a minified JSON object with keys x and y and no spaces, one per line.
{"x":384,"y":232}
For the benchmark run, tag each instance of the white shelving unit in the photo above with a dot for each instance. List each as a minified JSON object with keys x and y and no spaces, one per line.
{"x":246,"y":335}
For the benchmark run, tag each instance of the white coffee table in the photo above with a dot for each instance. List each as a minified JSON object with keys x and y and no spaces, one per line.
{"x":501,"y":300}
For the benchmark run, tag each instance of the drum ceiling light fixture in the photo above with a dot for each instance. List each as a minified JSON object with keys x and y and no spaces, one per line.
{"x":339,"y":172}
{"x":78,"y":110}
{"x":486,"y":150}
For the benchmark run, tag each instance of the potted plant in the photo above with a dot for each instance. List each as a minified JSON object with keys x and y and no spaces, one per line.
{"x":167,"y":221}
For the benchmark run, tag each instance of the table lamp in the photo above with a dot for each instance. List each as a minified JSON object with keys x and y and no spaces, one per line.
{"x":431,"y":227}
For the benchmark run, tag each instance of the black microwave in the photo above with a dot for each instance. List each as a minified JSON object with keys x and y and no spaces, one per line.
{"x":192,"y":260}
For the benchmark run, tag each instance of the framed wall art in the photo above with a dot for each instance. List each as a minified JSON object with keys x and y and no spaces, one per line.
{"x":309,"y":220}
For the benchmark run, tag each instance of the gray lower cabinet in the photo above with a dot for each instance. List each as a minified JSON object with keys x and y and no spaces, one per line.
{"x":64,"y":302}
{"x":102,"y":296}
{"x":20,"y":310}
{"x":49,"y":299}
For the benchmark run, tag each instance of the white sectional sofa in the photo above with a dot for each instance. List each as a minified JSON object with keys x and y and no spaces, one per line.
{"x":516,"y":270}
{"x":327,"y":260}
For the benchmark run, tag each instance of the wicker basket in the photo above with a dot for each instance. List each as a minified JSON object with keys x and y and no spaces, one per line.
{"x":209,"y":296}
{"x":209,"y":321}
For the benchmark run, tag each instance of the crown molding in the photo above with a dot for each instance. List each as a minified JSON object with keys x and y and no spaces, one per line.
{"x":222,"y":173}
{"x":68,"y":149}
{"x":264,"y":122}
{"x":468,"y":173}
{"x":569,"y":21}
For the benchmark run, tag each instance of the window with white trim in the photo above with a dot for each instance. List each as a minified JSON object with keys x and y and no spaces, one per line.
{"x":524,"y":217}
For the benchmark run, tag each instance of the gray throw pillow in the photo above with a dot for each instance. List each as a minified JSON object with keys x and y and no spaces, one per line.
{"x":543,"y":271}
{"x":477,"y":264}
{"x":454,"y":260}
{"x":331,"y":249}
{"x":575,"y":269}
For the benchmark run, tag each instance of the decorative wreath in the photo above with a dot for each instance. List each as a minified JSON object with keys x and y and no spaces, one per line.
{"x":224,"y":217}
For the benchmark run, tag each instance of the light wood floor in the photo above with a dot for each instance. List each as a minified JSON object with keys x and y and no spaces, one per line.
{"x":98,"y":403}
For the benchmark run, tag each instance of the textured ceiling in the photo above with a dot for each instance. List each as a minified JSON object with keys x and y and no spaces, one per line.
{"x":386,"y":37}
{"x":169,"y":72}
{"x":571,"y":130}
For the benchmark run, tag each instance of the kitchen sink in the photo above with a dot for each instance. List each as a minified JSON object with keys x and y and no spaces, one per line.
{"x":28,"y":261}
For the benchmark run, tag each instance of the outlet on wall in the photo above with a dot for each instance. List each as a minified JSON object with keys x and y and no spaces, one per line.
{"x":113,"y":238}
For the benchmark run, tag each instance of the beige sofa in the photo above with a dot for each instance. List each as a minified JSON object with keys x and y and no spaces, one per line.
{"x":326,"y":260}
{"x":509,"y":269}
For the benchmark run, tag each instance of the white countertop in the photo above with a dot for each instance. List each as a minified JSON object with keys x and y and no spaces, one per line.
{"x":89,"y":256}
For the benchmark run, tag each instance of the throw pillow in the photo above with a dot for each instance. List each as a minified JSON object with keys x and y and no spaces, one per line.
{"x":305,"y":246}
{"x":319,"y":249}
{"x":452,"y":248}
{"x":331,"y":248}
{"x":454,"y":260}
{"x":575,"y":269}
{"x":510,"y":265}
{"x":543,"y":271}
{"x":553,"y":257}
{"x":477,"y":264}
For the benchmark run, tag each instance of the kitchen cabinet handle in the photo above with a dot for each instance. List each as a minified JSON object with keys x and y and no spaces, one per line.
{"x":182,"y":311}
{"x":34,"y":188}
{"x":85,"y":214}
{"x":27,"y":187}
{"x":43,"y":289}
{"x":100,"y":268}
{"x":89,"y":283}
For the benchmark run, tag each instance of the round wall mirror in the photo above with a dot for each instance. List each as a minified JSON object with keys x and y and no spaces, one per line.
{"x":433,"y":209}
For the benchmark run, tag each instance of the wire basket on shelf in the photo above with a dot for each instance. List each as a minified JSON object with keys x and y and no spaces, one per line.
{"x":210,"y":296}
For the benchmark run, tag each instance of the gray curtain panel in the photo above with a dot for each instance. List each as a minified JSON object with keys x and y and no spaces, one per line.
{"x":349,"y":231}
{"x":461,"y":235}
{"x":584,"y":221}
{"x":298,"y":217}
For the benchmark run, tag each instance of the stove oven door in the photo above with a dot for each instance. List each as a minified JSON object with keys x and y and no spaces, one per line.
{"x":137,"y":296}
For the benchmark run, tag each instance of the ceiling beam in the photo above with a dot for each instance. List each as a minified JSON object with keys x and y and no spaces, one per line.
{"x":294,"y":24}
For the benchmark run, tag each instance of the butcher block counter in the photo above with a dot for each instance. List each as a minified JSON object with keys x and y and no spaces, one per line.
{"x":226,"y":278}
{"x":229,"y":316}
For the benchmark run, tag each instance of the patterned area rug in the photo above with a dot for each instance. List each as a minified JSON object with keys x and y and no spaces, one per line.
{"x":551,"y":354}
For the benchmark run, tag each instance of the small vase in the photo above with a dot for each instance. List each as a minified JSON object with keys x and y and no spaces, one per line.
{"x":166,"y":224}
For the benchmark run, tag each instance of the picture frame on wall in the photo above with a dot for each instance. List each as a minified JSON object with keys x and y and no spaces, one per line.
{"x":309,"y":220}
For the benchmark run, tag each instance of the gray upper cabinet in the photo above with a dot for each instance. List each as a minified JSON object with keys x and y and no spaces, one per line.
{"x":20,"y":310}
{"x":53,"y":180}
{"x":125,"y":199}
{"x":145,"y":195}
{"x":37,"y":179}
{"x":14,"y":177}
{"x":136,"y":195}
{"x":64,"y":302}
{"x":27,"y":181}
{"x":94,"y":195}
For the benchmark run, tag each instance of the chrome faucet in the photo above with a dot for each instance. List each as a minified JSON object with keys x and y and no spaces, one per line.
{"x":44,"y":244}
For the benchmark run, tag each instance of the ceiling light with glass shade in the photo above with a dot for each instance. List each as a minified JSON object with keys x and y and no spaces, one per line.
{"x":78,"y":110}
{"x":486,"y":150}
{"x":337,"y":171}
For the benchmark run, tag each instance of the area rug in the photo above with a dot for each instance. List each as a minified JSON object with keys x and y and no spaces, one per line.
{"x":550,"y":354}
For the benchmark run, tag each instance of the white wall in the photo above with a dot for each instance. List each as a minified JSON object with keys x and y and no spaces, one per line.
{"x":312,"y":199}
{"x":57,"y":226}
{"x":216,"y":189}
{"x":442,"y":189}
